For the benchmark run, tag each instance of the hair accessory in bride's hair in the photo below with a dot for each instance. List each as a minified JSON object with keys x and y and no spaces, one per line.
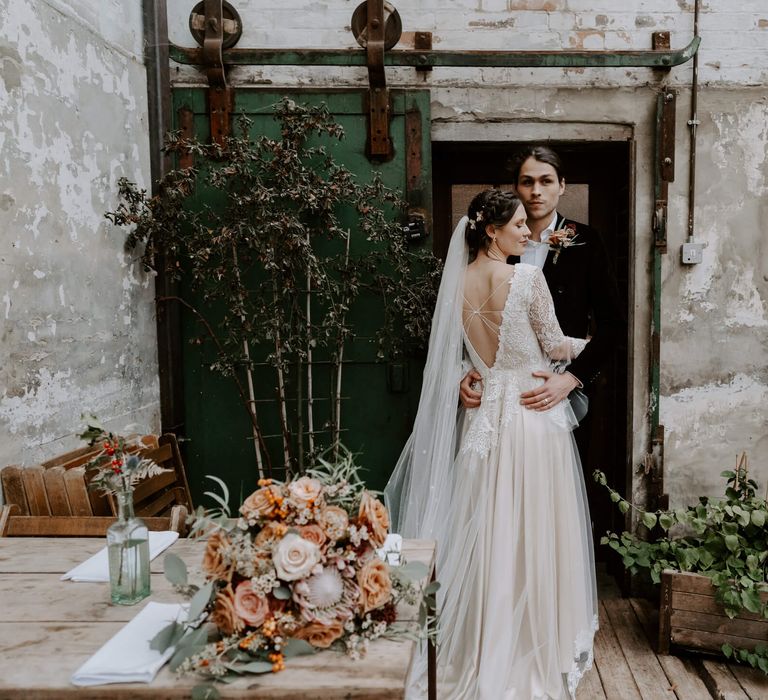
{"x":478,"y":218}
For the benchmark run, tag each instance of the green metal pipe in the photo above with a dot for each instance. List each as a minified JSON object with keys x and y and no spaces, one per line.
{"x":456,"y":59}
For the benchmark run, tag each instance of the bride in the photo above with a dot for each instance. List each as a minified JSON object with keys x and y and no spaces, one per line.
{"x":501,"y":489}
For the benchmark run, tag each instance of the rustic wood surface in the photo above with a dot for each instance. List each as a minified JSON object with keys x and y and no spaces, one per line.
{"x":50,"y":627}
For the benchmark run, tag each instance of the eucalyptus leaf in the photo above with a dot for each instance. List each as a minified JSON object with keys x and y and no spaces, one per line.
{"x":649,"y":520}
{"x":167,"y":637}
{"x":199,"y":601}
{"x":623,"y":507}
{"x":205,"y":692}
{"x":298,"y":647}
{"x":175,"y":569}
{"x":253,"y":667}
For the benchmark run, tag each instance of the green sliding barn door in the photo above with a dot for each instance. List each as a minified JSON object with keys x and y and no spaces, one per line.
{"x":380,"y":398}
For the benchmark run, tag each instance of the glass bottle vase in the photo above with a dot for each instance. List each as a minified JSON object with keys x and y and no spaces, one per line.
{"x":128,"y":549}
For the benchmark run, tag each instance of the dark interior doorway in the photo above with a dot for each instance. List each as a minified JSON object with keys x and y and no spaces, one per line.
{"x":599,"y":175}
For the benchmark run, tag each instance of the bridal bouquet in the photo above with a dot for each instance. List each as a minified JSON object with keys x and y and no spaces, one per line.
{"x":301,"y":569}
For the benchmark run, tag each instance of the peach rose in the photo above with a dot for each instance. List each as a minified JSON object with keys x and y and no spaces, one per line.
{"x":223,"y":614}
{"x":374,"y":515}
{"x":334,"y":521}
{"x":215,"y":564}
{"x":313,"y":533}
{"x":321,"y":636}
{"x":294,"y":557}
{"x":305,"y":490}
{"x":261,"y":503}
{"x":269,"y":534}
{"x":375,"y":584}
{"x":250,"y":607}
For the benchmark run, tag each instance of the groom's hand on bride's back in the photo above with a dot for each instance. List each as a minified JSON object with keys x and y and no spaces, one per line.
{"x":468,"y":396}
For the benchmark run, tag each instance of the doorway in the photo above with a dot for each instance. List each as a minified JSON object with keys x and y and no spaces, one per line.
{"x":599,"y":192}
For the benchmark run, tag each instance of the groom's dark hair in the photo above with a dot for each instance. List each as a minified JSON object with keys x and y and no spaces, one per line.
{"x":544,"y":154}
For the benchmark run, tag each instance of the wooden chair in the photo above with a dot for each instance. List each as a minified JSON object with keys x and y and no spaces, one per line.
{"x":12,"y":525}
{"x":58,"y":489}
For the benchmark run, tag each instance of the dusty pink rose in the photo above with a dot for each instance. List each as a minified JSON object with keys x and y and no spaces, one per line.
{"x":313,"y":533}
{"x":374,"y":515}
{"x":305,"y":490}
{"x":321,"y":636}
{"x":251,"y":607}
{"x":215,"y":564}
{"x":261,"y":503}
{"x":223,"y":614}
{"x":270,"y":533}
{"x":375,"y":584}
{"x":334,"y":521}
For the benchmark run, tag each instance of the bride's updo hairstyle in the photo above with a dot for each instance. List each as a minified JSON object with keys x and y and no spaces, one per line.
{"x":495,"y":207}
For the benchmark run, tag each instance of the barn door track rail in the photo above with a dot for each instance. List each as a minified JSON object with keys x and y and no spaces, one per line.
{"x":376,"y":24}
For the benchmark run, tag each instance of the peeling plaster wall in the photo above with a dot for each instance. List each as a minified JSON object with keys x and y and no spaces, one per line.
{"x":77,"y":327}
{"x":714,"y":331}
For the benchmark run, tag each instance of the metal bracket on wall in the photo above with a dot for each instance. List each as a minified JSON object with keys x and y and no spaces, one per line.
{"x":218,"y":27}
{"x":379,"y":142}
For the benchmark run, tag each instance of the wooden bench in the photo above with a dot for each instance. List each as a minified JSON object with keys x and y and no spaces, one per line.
{"x":58,"y":488}
{"x":12,"y":525}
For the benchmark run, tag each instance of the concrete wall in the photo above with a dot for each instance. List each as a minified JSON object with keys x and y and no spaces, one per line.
{"x":714,"y":343}
{"x":76,"y":313}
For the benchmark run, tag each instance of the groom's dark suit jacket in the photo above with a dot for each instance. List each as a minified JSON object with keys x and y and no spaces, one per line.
{"x":585,"y":296}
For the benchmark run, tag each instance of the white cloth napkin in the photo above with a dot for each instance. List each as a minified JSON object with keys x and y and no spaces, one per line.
{"x":126,"y":657}
{"x":390,"y":550}
{"x":97,"y":567}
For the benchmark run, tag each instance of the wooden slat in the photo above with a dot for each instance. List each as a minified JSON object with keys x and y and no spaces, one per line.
{"x":159,"y":505}
{"x":682,"y":673}
{"x":615,"y":674}
{"x":77,"y":492}
{"x":155,"y":484}
{"x":178,"y":465}
{"x":34,"y":487}
{"x":70,"y":459}
{"x":720,"y":682}
{"x":100,"y":504}
{"x":70,"y":526}
{"x":590,"y":687}
{"x":13,"y":488}
{"x":708,"y":641}
{"x":56,"y":491}
{"x":687,"y":582}
{"x":696,"y":602}
{"x":753,"y":682}
{"x":5,"y":514}
{"x":650,"y":678}
{"x":721,"y":624}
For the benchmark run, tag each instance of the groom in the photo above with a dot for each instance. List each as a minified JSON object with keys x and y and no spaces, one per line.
{"x":579,"y":275}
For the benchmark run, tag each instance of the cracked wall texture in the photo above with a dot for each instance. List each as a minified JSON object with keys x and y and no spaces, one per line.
{"x":714,"y":349}
{"x":77,"y":327}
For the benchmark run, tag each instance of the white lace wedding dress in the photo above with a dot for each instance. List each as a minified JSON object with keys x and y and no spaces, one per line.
{"x":518,"y":597}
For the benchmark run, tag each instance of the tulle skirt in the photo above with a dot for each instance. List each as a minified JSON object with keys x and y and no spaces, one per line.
{"x":518,"y":598}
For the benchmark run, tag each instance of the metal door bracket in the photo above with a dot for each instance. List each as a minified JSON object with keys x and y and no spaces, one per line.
{"x":216,"y":26}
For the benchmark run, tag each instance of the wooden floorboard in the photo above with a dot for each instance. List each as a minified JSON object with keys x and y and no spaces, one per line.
{"x":627,"y":667}
{"x":682,"y":674}
{"x":613,"y":669}
{"x":753,"y":681}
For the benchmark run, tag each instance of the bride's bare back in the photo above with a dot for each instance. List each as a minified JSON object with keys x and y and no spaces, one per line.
{"x":486,"y":286}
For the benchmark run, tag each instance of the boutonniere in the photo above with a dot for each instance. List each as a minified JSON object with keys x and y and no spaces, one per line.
{"x":561,"y":239}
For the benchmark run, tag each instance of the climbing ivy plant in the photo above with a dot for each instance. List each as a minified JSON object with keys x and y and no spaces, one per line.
{"x":288,"y":242}
{"x":725,"y":539}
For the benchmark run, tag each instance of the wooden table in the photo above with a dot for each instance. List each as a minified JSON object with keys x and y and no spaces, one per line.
{"x":48,"y":628}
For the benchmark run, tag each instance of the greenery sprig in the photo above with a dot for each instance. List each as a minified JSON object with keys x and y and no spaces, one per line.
{"x":725,"y":539}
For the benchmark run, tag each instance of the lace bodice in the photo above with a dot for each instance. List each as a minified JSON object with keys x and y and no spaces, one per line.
{"x":529,"y":339}
{"x":529,"y":335}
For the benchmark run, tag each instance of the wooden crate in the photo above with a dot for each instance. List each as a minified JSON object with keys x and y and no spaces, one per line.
{"x":691,"y":618}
